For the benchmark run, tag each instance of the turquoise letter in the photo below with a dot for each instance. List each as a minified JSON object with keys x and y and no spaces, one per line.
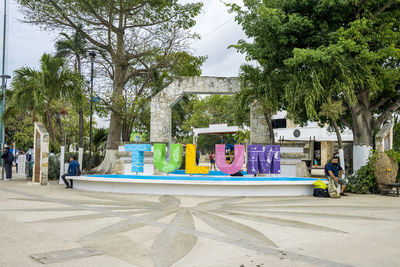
{"x":137,"y":155}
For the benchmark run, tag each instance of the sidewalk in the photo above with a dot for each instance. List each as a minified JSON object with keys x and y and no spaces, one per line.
{"x":150,"y":230}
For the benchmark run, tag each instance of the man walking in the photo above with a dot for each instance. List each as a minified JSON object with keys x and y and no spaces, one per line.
{"x":73,"y":170}
{"x":8,"y":159}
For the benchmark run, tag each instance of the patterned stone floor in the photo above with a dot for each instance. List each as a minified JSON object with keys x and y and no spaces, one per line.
{"x":144,"y":230}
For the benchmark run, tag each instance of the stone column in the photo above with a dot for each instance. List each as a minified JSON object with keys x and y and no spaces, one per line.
{"x":160,"y":123}
{"x":259,"y":133}
{"x":41,"y":148}
{"x":326,"y":152}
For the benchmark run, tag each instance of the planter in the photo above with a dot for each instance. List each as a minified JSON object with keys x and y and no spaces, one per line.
{"x":385,"y":170}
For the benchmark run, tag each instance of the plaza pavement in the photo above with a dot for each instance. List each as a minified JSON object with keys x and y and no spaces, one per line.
{"x":153,"y":230}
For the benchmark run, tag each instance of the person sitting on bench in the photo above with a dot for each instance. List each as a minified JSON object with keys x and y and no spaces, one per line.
{"x":73,"y":168}
{"x":335,"y":172}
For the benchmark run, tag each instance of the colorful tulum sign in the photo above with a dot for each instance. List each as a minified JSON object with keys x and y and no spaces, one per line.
{"x":260,"y":159}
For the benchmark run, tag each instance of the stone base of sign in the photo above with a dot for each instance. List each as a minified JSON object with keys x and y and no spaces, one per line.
{"x":302,"y":170}
{"x":119,"y":167}
{"x":194,"y":188}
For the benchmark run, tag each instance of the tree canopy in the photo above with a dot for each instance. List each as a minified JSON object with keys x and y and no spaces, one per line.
{"x":135,"y":40}
{"x":46,"y":94}
{"x":313,"y":51}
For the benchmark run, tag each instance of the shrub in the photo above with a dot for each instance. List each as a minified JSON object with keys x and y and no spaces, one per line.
{"x":54,"y":163}
{"x":395,"y":155}
{"x":54,"y":168}
{"x":364,"y":181}
{"x":96,"y":159}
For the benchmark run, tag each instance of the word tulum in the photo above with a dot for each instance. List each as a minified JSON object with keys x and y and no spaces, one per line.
{"x":260,"y":159}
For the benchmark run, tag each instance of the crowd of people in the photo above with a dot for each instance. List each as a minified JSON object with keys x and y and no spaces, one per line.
{"x":9,"y":159}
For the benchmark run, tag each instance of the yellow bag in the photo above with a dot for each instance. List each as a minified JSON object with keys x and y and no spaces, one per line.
{"x":319,"y":184}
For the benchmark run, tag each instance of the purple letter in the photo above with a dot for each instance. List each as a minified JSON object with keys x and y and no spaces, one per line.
{"x":256,"y":162}
{"x":276,"y":161}
{"x":263,"y":160}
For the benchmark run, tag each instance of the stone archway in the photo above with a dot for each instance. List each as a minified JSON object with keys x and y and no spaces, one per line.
{"x":162,"y":103}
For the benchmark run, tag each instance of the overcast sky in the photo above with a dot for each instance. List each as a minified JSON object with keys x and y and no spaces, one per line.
{"x":26,"y":43}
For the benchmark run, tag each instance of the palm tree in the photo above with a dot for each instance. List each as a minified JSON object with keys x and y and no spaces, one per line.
{"x":256,"y":86}
{"x":46,"y":93}
{"x":74,"y":48}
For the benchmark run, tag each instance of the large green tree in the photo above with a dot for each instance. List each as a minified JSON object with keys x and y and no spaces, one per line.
{"x":46,"y":94}
{"x":136,"y":114}
{"x":346,"y":50}
{"x":18,"y":130}
{"x":194,"y":112}
{"x":396,"y":133}
{"x":134,"y":38}
{"x":256,"y":86}
{"x":214,"y":109}
{"x":75,"y":48}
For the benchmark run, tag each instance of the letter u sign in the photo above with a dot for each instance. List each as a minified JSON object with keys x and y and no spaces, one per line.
{"x":236,"y":165}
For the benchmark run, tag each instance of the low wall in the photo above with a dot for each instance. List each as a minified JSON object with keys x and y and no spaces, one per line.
{"x":195,"y":188}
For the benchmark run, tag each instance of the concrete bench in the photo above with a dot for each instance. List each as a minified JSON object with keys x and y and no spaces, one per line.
{"x":391,"y":189}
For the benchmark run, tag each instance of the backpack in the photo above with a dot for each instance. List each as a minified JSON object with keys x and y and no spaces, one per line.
{"x":78,"y":171}
{"x":28,"y":157}
{"x":10,"y":158}
{"x":319,"y":192}
{"x":333,"y":193}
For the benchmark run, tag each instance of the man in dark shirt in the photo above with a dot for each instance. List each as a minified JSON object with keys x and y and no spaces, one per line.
{"x":8,"y":159}
{"x":72,"y":169}
{"x":335,"y":172}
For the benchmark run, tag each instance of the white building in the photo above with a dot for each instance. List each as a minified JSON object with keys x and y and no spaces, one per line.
{"x":320,"y":142}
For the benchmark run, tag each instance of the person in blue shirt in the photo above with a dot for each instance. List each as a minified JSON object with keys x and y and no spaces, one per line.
{"x":73,"y":169}
{"x":335,"y":172}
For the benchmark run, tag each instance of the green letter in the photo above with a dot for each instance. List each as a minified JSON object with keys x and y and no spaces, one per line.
{"x":175,"y":160}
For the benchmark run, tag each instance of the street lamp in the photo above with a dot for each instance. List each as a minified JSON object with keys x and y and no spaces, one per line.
{"x":4,"y":79}
{"x":92,"y":55}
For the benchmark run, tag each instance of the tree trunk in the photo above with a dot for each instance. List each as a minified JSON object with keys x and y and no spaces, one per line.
{"x":50,"y":128}
{"x":81,"y":136}
{"x":340,"y":144}
{"x":362,"y":131}
{"x":338,"y":135}
{"x":126,"y":131}
{"x":268,"y":120}
{"x":62,"y":154}
{"x":115,"y":129}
